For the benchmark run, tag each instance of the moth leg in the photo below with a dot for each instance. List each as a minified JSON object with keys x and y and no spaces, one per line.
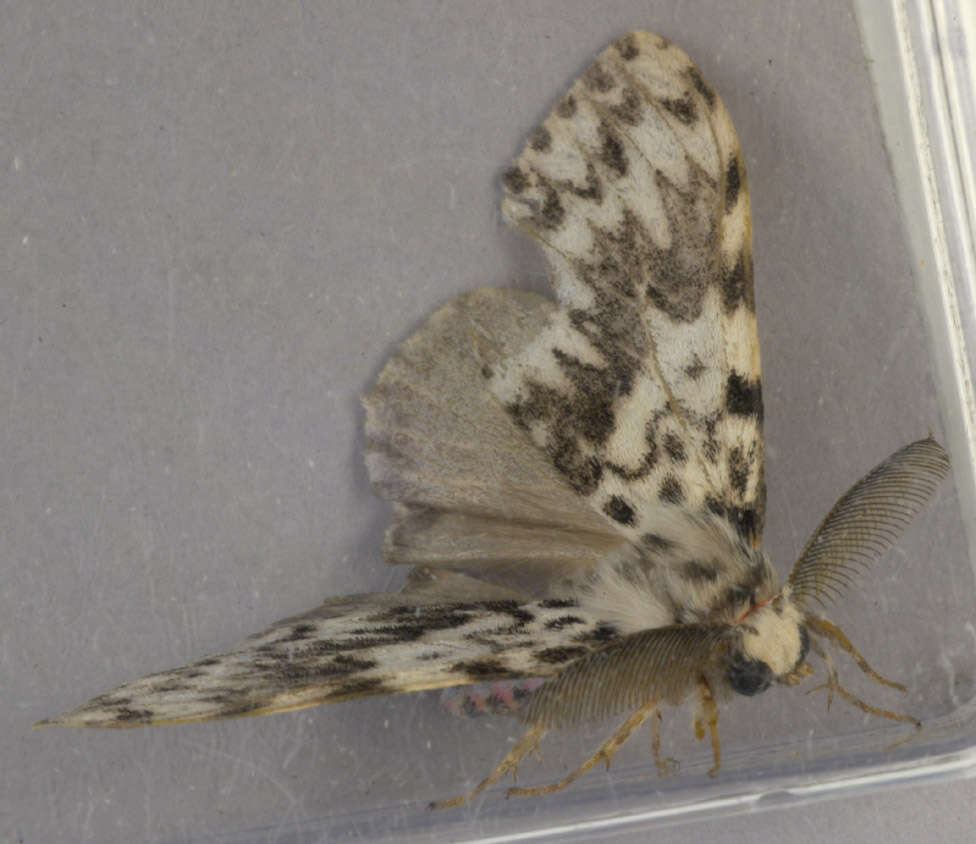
{"x":832,"y":684}
{"x":605,"y":752}
{"x":708,"y":717}
{"x":799,"y":674}
{"x":524,"y":746}
{"x":834,"y":634}
{"x":665,"y":767}
{"x":874,"y":710}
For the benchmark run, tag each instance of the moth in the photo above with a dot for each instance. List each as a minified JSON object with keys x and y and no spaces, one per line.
{"x":578,"y":484}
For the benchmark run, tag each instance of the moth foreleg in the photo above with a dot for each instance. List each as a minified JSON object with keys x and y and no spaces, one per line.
{"x":605,"y":752}
{"x":850,"y":697}
{"x":708,"y":717}
{"x":830,"y":631}
{"x":524,"y":746}
{"x":832,"y":684}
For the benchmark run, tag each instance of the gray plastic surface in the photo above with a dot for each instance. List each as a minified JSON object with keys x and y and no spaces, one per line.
{"x":219,"y":220}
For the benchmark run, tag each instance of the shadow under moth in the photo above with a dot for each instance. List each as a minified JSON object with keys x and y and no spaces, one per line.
{"x":578,"y":484}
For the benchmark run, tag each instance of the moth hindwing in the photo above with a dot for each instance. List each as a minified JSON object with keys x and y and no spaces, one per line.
{"x":578,"y":484}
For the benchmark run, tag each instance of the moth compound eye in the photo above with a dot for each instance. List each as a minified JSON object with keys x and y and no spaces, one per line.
{"x":804,"y":644}
{"x":749,"y":676}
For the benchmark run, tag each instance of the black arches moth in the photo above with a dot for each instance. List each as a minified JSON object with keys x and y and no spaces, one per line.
{"x":578,"y":483}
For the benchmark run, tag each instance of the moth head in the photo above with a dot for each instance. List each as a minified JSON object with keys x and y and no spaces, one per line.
{"x":772,"y":644}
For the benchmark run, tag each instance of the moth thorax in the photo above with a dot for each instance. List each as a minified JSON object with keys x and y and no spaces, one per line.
{"x":773,"y":643}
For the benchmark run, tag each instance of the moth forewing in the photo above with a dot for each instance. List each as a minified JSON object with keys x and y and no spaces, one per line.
{"x":579,"y":484}
{"x":349,"y":648}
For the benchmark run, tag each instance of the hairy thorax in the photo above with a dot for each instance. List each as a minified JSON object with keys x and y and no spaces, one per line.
{"x":772,"y":634}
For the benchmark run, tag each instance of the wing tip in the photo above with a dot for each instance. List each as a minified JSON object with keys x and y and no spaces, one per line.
{"x":76,"y":718}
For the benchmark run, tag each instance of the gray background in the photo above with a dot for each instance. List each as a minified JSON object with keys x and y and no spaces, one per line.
{"x":218,"y":221}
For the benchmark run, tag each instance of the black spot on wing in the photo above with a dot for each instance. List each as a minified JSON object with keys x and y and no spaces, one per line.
{"x":627,"y":47}
{"x":748,"y":521}
{"x":563,"y":621}
{"x":620,"y":511}
{"x":711,"y":447}
{"x":556,"y":655}
{"x":743,"y":397}
{"x":612,"y":151}
{"x":351,"y":663}
{"x":733,"y":182}
{"x":683,"y":108}
{"x":518,"y":613}
{"x":714,"y":506}
{"x":300,"y":632}
{"x":567,"y":107}
{"x":737,"y":284}
{"x":552,"y":214}
{"x":540,"y":140}
{"x":189,"y":672}
{"x":409,"y":622}
{"x":583,"y":473}
{"x":133,"y":716}
{"x":358,"y":641}
{"x":596,"y":78}
{"x":695,"y":369}
{"x":674,"y":447}
{"x":654,"y":542}
{"x":699,"y":572}
{"x":630,"y":109}
{"x":298,"y":671}
{"x":171,"y":686}
{"x":739,"y":468}
{"x":591,"y":189}
{"x":406,"y":621}
{"x":670,"y":491}
{"x":515,"y":181}
{"x":703,"y":88}
{"x":480,"y":669}
{"x":547,"y":215}
{"x":559,"y":603}
{"x":602,"y":633}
